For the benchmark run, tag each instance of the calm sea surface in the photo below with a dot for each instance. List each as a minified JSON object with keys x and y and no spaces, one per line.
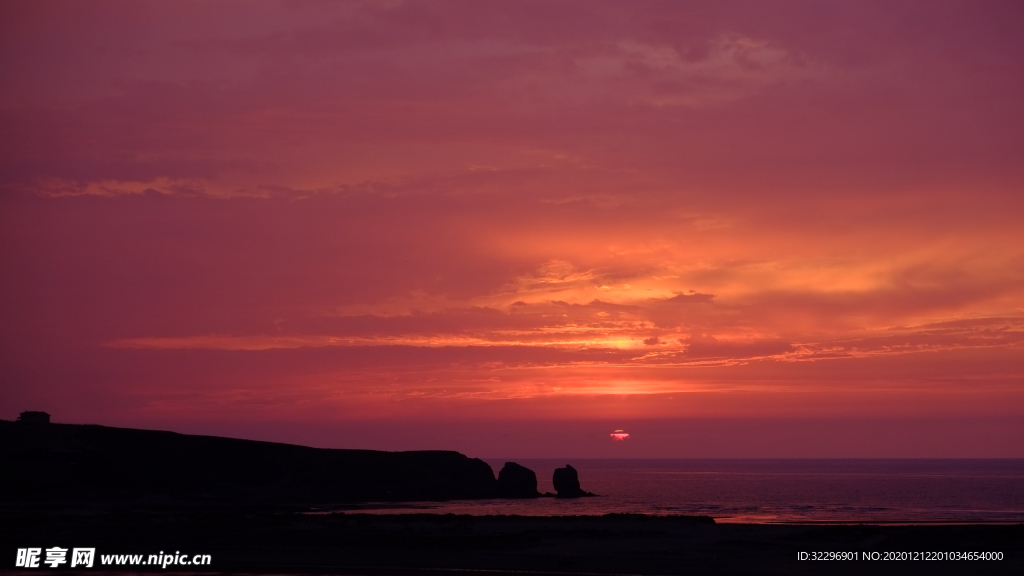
{"x":774,"y":491}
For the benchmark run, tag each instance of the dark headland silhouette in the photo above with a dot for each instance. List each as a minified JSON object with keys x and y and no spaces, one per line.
{"x":247,"y":504}
{"x":67,"y":462}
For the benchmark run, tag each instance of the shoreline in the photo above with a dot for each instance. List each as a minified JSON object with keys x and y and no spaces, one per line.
{"x":289,"y":542}
{"x":723,"y":520}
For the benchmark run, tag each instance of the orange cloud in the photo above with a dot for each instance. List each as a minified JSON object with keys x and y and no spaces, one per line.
{"x":576,"y":211}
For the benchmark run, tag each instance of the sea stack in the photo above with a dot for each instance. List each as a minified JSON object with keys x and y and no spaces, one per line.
{"x":515,"y":481}
{"x":567,"y":483}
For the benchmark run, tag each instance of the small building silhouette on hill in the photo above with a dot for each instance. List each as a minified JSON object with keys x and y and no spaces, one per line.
{"x":34,"y":418}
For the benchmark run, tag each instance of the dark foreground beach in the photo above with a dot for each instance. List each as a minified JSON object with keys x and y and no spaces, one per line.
{"x":290,"y":542}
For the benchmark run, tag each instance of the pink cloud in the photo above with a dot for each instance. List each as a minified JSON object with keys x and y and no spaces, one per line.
{"x":416,"y":208}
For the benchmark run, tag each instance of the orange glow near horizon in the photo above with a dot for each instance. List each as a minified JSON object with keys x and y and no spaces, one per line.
{"x":321,"y":215}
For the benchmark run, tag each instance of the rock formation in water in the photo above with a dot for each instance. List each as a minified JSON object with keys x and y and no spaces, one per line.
{"x":515,"y":481}
{"x":567,"y":483}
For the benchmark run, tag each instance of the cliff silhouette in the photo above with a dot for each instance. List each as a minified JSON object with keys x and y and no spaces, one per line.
{"x":90,"y":463}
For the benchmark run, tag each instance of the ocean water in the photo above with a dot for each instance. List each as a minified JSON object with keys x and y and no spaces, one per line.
{"x":894,"y":491}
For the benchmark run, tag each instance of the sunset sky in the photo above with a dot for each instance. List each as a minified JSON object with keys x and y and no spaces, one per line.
{"x":730,"y":229}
